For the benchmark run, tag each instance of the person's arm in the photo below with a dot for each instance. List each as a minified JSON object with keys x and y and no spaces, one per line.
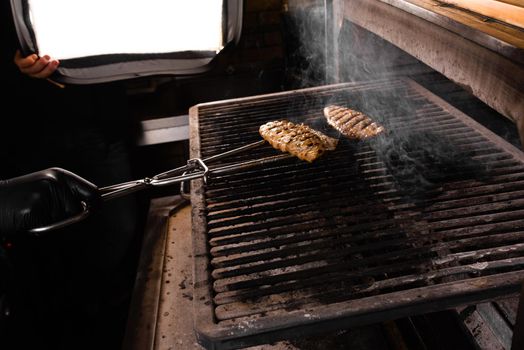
{"x":34,"y":66}
{"x":42,"y":198}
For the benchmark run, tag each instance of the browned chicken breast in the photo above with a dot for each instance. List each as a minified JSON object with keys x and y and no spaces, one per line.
{"x":351,"y":123}
{"x":298,"y":139}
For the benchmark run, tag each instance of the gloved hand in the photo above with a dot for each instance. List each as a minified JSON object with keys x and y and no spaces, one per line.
{"x":42,"y":198}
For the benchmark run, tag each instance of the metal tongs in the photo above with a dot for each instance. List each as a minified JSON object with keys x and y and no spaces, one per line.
{"x":194,"y":169}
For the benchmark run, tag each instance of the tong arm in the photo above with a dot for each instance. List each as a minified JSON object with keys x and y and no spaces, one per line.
{"x":194,"y":169}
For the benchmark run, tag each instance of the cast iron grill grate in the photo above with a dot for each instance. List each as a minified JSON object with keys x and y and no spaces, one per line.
{"x":290,"y":247}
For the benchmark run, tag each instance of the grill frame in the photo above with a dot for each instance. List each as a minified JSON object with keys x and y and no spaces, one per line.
{"x":367,"y":310}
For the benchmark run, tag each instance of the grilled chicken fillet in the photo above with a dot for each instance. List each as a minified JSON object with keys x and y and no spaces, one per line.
{"x":351,"y":123}
{"x":298,"y":139}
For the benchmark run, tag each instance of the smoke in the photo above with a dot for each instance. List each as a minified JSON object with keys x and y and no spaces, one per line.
{"x":418,"y":159}
{"x":304,"y":28}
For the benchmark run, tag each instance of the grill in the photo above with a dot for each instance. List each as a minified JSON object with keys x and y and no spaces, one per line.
{"x":289,"y":248}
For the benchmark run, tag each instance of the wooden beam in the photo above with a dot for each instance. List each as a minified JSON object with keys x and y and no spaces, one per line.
{"x":513,"y":2}
{"x":494,"y":9}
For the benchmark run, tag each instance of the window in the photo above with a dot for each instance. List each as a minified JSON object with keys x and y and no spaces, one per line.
{"x":101,"y":40}
{"x":98,"y":27}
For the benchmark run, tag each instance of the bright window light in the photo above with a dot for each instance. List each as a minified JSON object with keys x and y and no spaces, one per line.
{"x":77,"y":28}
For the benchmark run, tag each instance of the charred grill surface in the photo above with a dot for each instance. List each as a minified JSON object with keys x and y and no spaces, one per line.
{"x":291,"y":247}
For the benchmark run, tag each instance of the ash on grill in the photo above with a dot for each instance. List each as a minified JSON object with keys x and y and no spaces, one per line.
{"x":420,"y":162}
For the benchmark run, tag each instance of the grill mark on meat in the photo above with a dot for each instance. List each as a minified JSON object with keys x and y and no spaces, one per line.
{"x":351,"y":123}
{"x":297,"y":139}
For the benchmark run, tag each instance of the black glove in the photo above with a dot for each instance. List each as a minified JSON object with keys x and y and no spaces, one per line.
{"x":42,"y":198}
